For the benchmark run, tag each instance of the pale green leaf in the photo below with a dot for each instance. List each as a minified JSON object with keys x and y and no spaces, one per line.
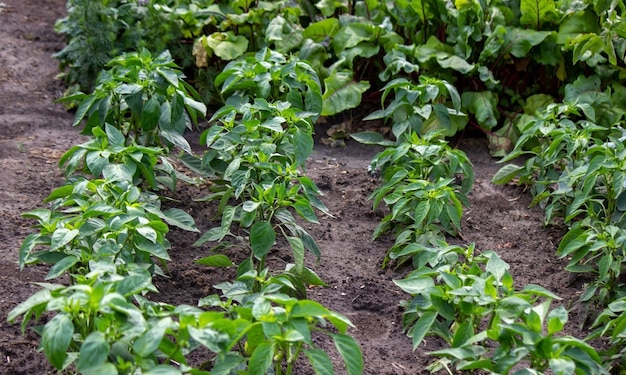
{"x":350,"y":352}
{"x":56,"y":339}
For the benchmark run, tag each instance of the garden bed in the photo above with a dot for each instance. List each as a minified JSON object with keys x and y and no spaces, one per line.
{"x":35,"y":132}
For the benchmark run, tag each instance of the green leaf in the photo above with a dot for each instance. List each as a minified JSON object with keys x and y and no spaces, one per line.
{"x":422,"y":327}
{"x":27,"y":247}
{"x":562,"y":366}
{"x":519,"y":42}
{"x":114,"y":136}
{"x":350,"y":352}
{"x":351,"y":34}
{"x":535,"y":12}
{"x":482,"y":105}
{"x":119,"y":172}
{"x":157,"y":249}
{"x":61,"y":237}
{"x":371,"y":138}
{"x":226,"y":363}
{"x":297,"y":248}
{"x":320,"y":361}
{"x":261,"y":359}
{"x":319,"y":31}
{"x":496,"y":266}
{"x":180,"y":219}
{"x":103,"y":369}
{"x":262,"y":238}
{"x":556,"y":320}
{"x":93,"y":352}
{"x":163,"y":370}
{"x":415,"y":285}
{"x":39,"y":299}
{"x":218,"y":260}
{"x":56,"y":339}
{"x":149,"y":342}
{"x":226,"y":45}
{"x":303,"y":145}
{"x":61,"y":266}
{"x":308,"y":308}
{"x":342,"y":92}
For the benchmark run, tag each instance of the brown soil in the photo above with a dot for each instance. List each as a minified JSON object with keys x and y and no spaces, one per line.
{"x":35,"y":132}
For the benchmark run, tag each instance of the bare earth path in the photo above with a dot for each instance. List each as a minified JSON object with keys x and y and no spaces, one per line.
{"x":34,"y":133}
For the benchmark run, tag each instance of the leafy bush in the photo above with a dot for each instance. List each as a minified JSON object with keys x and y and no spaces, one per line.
{"x":144,"y":97}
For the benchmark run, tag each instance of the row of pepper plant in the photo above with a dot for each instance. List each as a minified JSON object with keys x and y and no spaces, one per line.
{"x":575,"y":170}
{"x":105,"y":231}
{"x":542,"y":75}
{"x":466,"y":298}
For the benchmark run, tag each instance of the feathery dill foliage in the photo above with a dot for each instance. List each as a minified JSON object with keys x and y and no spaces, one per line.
{"x":90,"y":40}
{"x":96,"y":31}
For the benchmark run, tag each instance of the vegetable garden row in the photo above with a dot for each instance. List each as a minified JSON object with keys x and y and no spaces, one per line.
{"x":542,"y":79}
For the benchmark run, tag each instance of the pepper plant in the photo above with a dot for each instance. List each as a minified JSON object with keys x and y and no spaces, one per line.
{"x":282,"y":326}
{"x":145,"y":97}
{"x":108,"y":150}
{"x":92,"y":220}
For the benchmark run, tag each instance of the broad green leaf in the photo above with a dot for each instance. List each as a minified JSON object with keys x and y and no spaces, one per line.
{"x":103,"y":369}
{"x":297,"y":248}
{"x":150,"y":114}
{"x":284,"y":34}
{"x":496,"y":266}
{"x":351,"y":34}
{"x":83,"y":109}
{"x":482,"y":105}
{"x":163,"y":370}
{"x":556,"y":320}
{"x":422,"y":327}
{"x":177,"y":140}
{"x":149,"y":342}
{"x":319,"y":31}
{"x":573,"y":240}
{"x":350,"y":352}
{"x":371,"y":138}
{"x":262,"y":238}
{"x":308,"y":308}
{"x":535,"y":12}
{"x":61,"y":192}
{"x":342,"y":92}
{"x":114,"y":136}
{"x":320,"y":361}
{"x":180,"y":219}
{"x":93,"y":352}
{"x":135,"y":284}
{"x":56,"y":339}
{"x":119,"y":172}
{"x":303,"y":145}
{"x":61,"y":237}
{"x":304,"y":209}
{"x":62,"y":266}
{"x":27,"y":247}
{"x":562,"y":366}
{"x":506,"y":174}
{"x":225,"y":45}
{"x":261,"y":359}
{"x":157,"y":249}
{"x":148,"y":233}
{"x":218,"y":260}
{"x":415,"y":285}
{"x":40,"y":298}
{"x":518,"y":42}
{"x":455,"y":63}
{"x":582,"y":22}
